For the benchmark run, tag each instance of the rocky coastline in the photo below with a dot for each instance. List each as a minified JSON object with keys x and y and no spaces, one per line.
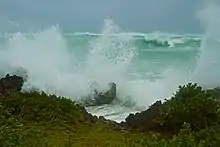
{"x":167,"y":119}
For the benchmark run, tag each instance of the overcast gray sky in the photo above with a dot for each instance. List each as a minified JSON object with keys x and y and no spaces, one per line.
{"x":88,"y":15}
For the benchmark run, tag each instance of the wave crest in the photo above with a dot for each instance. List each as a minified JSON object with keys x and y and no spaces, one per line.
{"x":150,"y":40}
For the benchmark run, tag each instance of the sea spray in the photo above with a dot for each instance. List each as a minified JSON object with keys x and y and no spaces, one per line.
{"x":51,"y":67}
{"x":45,"y":58}
{"x":207,"y":71}
{"x":110,"y":56}
{"x":143,"y":74}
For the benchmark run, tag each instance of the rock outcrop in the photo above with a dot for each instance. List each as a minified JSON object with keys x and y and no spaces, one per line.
{"x":10,"y":84}
{"x":144,"y":120}
{"x":101,"y":98}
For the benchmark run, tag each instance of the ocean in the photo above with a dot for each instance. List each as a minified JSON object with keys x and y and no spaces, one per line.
{"x":145,"y":66}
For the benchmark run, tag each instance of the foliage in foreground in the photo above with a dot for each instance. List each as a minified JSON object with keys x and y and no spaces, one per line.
{"x":36,"y":119}
{"x":193,"y":105}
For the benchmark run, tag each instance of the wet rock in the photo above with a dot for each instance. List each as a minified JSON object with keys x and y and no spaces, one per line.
{"x":101,"y":98}
{"x":10,"y":84}
{"x":144,"y":120}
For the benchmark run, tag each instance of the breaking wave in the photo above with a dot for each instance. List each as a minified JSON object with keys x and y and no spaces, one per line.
{"x":145,"y":67}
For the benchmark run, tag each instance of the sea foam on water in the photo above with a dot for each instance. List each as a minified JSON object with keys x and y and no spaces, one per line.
{"x":112,"y":56}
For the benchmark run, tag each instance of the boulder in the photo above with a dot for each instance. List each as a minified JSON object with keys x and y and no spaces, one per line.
{"x":10,"y":84}
{"x":101,"y":98}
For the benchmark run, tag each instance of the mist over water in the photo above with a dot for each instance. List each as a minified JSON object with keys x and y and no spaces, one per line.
{"x":207,"y":71}
{"x":145,"y":67}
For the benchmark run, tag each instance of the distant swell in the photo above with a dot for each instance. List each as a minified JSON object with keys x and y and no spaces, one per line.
{"x":169,"y":43}
{"x":153,"y":39}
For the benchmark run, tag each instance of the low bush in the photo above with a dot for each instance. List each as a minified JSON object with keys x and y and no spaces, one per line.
{"x":36,"y":120}
{"x":193,"y":105}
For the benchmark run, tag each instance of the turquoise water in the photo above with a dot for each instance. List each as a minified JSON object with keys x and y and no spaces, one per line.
{"x":145,"y":67}
{"x":158,"y":52}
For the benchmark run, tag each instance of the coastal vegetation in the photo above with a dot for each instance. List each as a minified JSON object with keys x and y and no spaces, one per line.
{"x":191,"y":118}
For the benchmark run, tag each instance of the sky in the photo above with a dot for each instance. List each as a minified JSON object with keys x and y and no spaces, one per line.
{"x":88,"y":15}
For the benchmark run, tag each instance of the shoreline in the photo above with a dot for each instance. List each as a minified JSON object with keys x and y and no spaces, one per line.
{"x":191,"y":109}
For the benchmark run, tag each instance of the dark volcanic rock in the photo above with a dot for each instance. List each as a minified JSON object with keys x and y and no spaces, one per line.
{"x":145,"y":119}
{"x":10,"y":84}
{"x":101,"y":98}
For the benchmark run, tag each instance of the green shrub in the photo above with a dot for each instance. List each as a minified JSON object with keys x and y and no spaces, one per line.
{"x":192,"y":105}
{"x":209,"y":135}
{"x":39,"y":107}
{"x":36,"y":119}
{"x":18,"y":135}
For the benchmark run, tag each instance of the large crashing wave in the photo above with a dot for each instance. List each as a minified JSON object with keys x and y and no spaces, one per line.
{"x":53,"y":66}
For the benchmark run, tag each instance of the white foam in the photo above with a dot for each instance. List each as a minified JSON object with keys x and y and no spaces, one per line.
{"x":51,"y":66}
{"x":207,"y":71}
